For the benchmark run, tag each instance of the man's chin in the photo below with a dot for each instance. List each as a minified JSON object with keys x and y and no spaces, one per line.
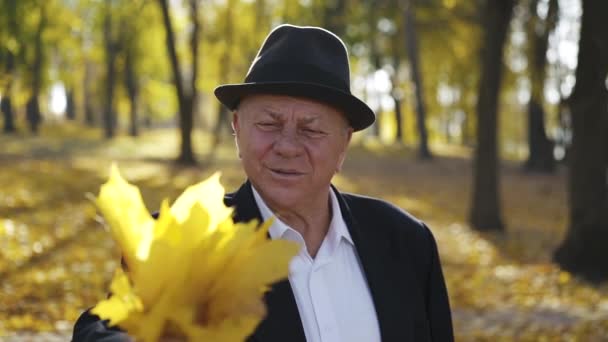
{"x":281,"y":198}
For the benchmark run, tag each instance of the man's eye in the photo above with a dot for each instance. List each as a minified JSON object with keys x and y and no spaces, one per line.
{"x":267,"y":125}
{"x":313,"y":133}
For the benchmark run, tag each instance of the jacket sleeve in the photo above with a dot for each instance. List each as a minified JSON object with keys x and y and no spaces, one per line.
{"x":90,"y":328}
{"x":437,"y":302}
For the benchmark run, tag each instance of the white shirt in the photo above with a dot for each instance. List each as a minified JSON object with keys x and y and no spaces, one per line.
{"x":331,"y":291}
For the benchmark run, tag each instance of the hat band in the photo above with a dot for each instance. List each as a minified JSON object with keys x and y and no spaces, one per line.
{"x":295,"y":73}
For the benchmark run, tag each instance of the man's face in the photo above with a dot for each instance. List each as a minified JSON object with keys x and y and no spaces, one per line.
{"x":290,"y":148}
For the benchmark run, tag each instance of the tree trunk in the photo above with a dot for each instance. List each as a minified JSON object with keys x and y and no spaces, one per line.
{"x":396,"y":92}
{"x":375,"y":129}
{"x":584,"y":252}
{"x":187,"y":155}
{"x":132,"y":87}
{"x":186,"y":97}
{"x":7,"y":112}
{"x":468,"y":128}
{"x":70,"y":108}
{"x":32,"y":113}
{"x":485,"y":211}
{"x":225,"y":62}
{"x":89,"y":113}
{"x":413,"y":53}
{"x":222,"y":121}
{"x":398,"y":119}
{"x":6,"y":105}
{"x":564,"y":116}
{"x":540,"y":156}
{"x":109,"y":116}
{"x":33,"y":108}
{"x":465,"y":130}
{"x":374,"y":56}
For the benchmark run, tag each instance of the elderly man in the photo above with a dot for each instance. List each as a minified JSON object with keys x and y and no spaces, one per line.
{"x":367,"y":271}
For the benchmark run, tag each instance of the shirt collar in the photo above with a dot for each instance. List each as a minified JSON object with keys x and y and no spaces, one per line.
{"x":279,"y":230}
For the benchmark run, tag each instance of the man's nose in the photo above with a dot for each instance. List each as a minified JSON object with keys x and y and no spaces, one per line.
{"x":288,"y":144}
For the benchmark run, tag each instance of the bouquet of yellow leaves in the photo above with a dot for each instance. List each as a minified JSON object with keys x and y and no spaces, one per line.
{"x":192,"y":273}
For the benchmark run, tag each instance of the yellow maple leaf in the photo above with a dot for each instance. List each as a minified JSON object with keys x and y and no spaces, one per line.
{"x":193,"y":272}
{"x":124,"y":211}
{"x":122,"y":302}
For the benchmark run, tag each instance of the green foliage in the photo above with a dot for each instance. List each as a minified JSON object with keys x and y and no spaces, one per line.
{"x":232,"y":30}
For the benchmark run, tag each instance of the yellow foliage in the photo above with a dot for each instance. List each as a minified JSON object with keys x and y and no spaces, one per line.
{"x":193,"y":272}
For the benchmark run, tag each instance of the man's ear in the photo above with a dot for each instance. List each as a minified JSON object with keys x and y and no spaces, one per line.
{"x":235,"y":122}
{"x":235,"y":131}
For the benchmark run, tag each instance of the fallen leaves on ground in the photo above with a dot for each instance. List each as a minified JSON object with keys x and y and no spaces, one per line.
{"x":56,"y":260}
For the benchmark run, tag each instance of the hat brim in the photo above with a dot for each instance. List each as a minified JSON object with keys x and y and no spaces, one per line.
{"x":359,"y":115}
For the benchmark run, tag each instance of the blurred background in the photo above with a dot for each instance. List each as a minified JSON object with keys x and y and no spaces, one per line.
{"x":492,"y":127}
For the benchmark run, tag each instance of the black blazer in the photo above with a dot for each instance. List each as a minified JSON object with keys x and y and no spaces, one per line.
{"x":400,"y":261}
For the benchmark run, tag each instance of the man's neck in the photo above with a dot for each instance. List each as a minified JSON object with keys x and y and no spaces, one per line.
{"x":311,"y":221}
{"x":313,"y":227}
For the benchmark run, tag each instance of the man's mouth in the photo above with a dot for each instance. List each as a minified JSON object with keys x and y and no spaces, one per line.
{"x":286,"y":172}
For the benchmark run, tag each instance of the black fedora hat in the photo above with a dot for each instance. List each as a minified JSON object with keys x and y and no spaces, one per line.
{"x":301,"y":61}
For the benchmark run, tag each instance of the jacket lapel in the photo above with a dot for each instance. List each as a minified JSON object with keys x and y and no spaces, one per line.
{"x":392,"y":297}
{"x":282,"y":322}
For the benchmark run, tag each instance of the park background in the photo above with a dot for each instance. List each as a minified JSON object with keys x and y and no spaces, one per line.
{"x":492,"y":127}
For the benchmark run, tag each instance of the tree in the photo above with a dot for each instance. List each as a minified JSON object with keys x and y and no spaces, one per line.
{"x":70,"y":107}
{"x":224,"y":70}
{"x":485,"y":211}
{"x":540,"y":156}
{"x":584,"y":252}
{"x":130,"y":33}
{"x":186,"y":93}
{"x":89,"y":112}
{"x":85,"y":54}
{"x":412,"y":52}
{"x":132,"y":86}
{"x":396,"y":92}
{"x":111,"y":52}
{"x":396,"y":57}
{"x":374,"y":58}
{"x":5,"y":103}
{"x":450,"y":38}
{"x":33,"y":107}
{"x":9,"y":18}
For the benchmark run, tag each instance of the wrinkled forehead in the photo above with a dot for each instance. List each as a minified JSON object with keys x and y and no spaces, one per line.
{"x":285,"y":106}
